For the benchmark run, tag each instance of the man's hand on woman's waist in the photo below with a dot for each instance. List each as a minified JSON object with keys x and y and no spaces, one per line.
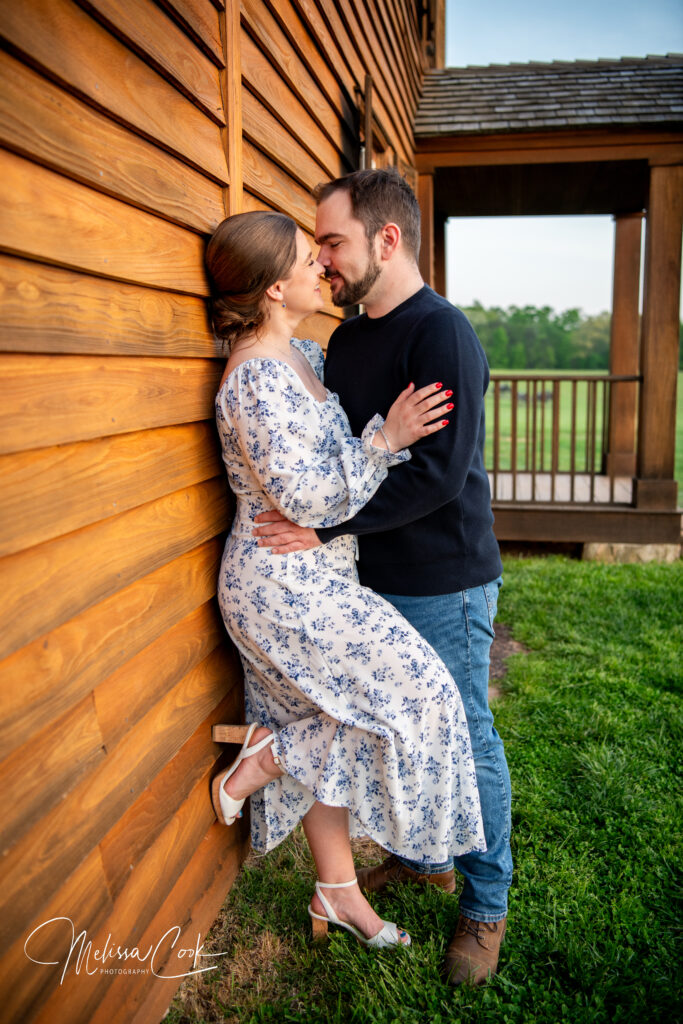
{"x":281,"y":535}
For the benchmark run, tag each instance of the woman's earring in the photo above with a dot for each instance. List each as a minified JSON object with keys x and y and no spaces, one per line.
{"x":284,"y":305}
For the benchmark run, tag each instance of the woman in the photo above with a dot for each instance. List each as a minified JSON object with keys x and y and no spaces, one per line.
{"x":354,"y":710}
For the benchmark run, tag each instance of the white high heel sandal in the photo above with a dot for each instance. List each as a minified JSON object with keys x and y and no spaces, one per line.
{"x":226,"y":807}
{"x":390,"y":934}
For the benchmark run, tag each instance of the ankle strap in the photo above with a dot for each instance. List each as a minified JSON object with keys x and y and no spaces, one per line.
{"x":257,"y":746}
{"x":336,"y":885}
{"x":329,"y":909}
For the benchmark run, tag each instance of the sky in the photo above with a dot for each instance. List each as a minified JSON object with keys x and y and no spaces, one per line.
{"x":563,"y":262}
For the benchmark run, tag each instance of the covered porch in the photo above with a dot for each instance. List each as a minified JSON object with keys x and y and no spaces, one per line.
{"x":573,"y":457}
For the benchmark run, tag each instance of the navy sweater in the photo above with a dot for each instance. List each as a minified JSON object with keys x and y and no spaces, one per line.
{"x":428,"y":529}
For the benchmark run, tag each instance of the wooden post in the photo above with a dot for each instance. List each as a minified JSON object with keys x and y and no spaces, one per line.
{"x":440,"y":34}
{"x":624,"y":345}
{"x":232,"y":99}
{"x":367,"y":123}
{"x":655,"y":487}
{"x":440,"y":253}
{"x":425,"y":197}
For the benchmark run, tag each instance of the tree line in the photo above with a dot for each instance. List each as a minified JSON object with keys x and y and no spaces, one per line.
{"x":529,"y":338}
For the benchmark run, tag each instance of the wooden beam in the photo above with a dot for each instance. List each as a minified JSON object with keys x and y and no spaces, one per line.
{"x":368,"y":141}
{"x":546,"y":147}
{"x":425,"y":197}
{"x":660,"y":340}
{"x":229,"y":733}
{"x":232,"y":99}
{"x":440,"y":283}
{"x":624,"y":345}
{"x":439,"y":33}
{"x":576,"y":524}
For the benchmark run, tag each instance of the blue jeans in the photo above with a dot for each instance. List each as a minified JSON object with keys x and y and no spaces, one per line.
{"x":459,"y":627}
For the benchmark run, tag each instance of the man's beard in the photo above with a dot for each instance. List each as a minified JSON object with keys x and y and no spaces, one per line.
{"x":352,"y":292}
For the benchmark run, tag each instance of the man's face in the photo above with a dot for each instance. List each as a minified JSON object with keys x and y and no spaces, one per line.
{"x":350,"y":262}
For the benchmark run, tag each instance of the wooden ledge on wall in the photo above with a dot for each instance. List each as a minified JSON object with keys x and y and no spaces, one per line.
{"x":229,"y":733}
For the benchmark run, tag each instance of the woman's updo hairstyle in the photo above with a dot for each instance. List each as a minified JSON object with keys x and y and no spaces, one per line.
{"x":246,"y":254}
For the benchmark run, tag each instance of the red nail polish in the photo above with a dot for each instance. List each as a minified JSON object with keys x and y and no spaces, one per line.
{"x":444,"y":423}
{"x":439,"y":385}
{"x":447,"y":394}
{"x":450,"y":406}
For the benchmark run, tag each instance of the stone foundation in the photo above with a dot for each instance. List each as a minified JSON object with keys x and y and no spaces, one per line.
{"x":624,"y":553}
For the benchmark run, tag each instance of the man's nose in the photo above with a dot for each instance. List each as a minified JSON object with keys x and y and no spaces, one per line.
{"x":323,"y":256}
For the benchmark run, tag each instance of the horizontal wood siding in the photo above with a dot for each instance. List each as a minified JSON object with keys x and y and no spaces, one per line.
{"x":304,"y":66}
{"x":114,"y":505}
{"x":128,"y":128}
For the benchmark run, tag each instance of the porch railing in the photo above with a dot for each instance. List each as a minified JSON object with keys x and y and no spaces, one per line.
{"x":548,"y":436}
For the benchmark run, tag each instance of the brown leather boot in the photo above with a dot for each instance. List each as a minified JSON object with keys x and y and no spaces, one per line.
{"x":391,"y":870}
{"x":472,"y":955}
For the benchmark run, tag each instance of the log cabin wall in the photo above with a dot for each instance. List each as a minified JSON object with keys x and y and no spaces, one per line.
{"x":304,"y":72}
{"x":129,"y":129}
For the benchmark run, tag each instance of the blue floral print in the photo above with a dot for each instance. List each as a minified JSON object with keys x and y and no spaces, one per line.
{"x":365,"y":714}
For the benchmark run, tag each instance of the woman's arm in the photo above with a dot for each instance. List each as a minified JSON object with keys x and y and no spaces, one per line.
{"x":312,"y":480}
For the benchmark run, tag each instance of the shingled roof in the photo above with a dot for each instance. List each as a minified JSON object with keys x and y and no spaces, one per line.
{"x":642,"y":91}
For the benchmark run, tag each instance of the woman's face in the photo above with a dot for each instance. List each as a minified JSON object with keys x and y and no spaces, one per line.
{"x":301,"y":290}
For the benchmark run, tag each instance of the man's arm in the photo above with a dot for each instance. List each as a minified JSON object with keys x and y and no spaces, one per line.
{"x":446,"y":348}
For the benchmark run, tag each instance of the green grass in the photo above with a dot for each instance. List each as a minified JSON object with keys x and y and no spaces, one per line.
{"x":591,"y":719}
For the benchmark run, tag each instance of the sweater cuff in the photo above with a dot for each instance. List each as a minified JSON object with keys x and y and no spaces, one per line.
{"x":387,"y":457}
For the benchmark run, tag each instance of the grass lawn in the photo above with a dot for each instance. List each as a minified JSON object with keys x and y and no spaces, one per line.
{"x":591,"y":719}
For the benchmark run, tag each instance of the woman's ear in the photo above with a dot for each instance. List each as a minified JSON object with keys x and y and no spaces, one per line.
{"x":275,"y":291}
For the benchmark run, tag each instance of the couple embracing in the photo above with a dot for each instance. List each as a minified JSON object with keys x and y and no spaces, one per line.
{"x":360,"y":578}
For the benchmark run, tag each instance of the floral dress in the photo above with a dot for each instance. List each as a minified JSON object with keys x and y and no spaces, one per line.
{"x":365,"y":714}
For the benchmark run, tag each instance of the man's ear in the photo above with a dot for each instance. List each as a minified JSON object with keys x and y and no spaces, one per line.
{"x":275,"y":291}
{"x":390,"y":239}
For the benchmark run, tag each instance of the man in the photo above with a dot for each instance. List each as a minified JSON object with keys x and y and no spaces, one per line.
{"x":426,"y":539}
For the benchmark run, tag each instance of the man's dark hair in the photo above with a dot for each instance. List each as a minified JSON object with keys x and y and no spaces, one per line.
{"x":378,"y":197}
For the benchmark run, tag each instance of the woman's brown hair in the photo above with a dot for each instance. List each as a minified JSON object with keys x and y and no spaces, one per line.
{"x":246,"y":254}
